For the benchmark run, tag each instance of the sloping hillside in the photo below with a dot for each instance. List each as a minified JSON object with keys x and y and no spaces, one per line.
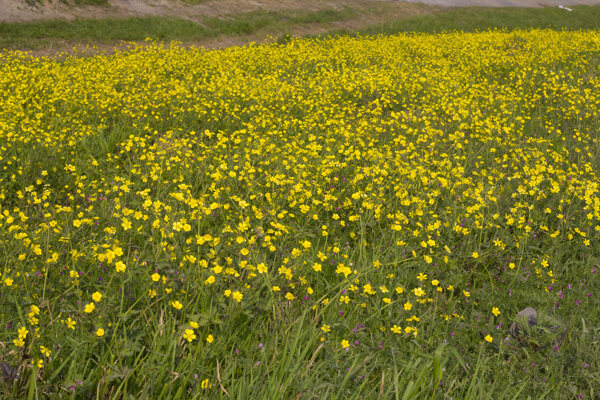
{"x":27,"y":10}
{"x":20,"y":10}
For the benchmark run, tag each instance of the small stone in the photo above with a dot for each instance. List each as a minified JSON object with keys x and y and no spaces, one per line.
{"x":527,"y":316}
{"x":8,"y":373}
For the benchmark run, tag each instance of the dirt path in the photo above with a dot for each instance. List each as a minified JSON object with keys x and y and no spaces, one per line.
{"x":19,"y":10}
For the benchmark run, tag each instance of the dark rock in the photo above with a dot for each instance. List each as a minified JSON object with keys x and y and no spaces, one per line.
{"x":8,"y":373}
{"x":527,"y":321}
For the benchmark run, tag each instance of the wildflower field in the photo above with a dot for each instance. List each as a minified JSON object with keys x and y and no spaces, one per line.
{"x":325,"y":218}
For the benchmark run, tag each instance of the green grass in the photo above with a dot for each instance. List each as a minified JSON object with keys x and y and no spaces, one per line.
{"x":268,"y":348}
{"x":35,"y":3}
{"x":41,"y":34}
{"x":474,"y":19}
{"x":254,"y":21}
{"x":26,"y":35}
{"x":87,"y":2}
{"x":275,"y":351}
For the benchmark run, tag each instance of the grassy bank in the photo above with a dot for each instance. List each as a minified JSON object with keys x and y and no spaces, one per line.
{"x":472,"y":19}
{"x":41,"y":34}
{"x":45,"y":34}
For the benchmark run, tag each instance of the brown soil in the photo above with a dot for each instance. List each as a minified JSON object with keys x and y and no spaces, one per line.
{"x":19,"y":10}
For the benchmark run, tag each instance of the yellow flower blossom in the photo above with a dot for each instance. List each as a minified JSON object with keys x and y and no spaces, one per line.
{"x":120,"y":266}
{"x":89,"y":307}
{"x":189,"y":335}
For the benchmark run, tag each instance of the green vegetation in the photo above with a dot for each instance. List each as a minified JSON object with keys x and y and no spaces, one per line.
{"x":315,"y":219}
{"x":353,"y":217}
{"x":473,"y":19}
{"x":38,"y":34}
{"x":75,"y":3}
{"x":109,"y":31}
{"x":41,"y":34}
{"x":247,"y":23}
{"x":87,"y":2}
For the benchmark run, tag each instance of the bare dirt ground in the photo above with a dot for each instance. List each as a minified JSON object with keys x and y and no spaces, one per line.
{"x":19,"y":10}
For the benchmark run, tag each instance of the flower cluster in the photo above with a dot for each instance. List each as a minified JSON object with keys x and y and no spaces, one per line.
{"x":351,"y":176}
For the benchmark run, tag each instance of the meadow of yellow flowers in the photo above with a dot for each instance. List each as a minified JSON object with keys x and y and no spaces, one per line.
{"x":173,"y":218}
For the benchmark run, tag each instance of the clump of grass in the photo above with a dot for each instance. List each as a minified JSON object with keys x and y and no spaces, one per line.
{"x":87,"y":2}
{"x":74,"y":3}
{"x":246,"y":23}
